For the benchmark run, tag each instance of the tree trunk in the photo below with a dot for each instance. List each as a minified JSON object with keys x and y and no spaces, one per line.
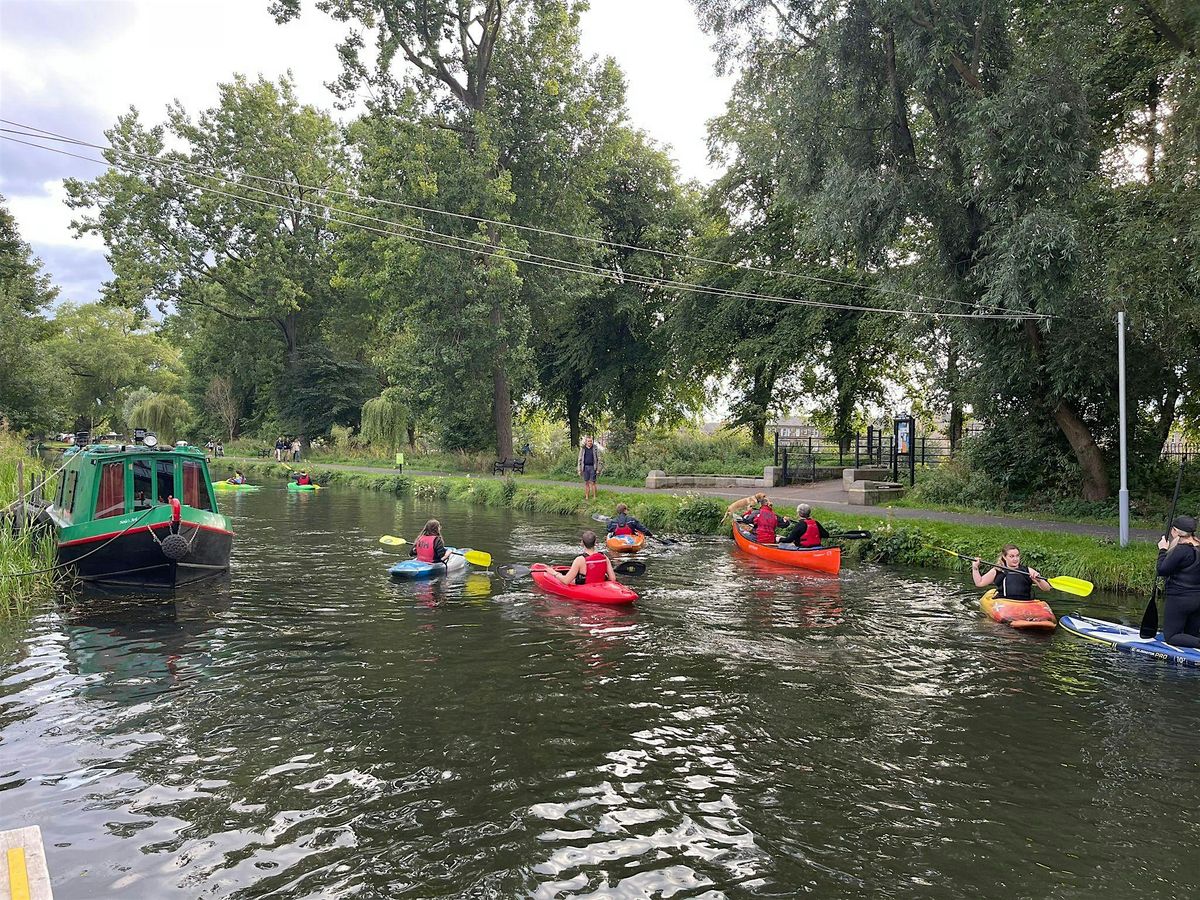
{"x":501,"y":396}
{"x":574,"y":410}
{"x":955,"y":426}
{"x":1091,"y":460}
{"x":1166,"y":417}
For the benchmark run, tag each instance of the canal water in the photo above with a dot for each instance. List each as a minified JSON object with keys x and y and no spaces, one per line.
{"x":314,"y":729}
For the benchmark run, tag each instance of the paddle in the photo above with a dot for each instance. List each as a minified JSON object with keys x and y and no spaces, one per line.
{"x":666,"y":542}
{"x":1065,"y":583}
{"x":1149,"y":626}
{"x":858,"y":534}
{"x":628,"y":567}
{"x":475,"y":557}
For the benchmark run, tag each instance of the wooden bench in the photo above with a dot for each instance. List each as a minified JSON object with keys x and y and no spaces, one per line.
{"x":514,"y":464}
{"x":265,"y":452}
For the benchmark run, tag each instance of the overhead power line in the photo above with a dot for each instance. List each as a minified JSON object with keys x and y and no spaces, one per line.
{"x":429,"y":237}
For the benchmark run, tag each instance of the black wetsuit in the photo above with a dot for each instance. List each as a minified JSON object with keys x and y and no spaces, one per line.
{"x":1181,"y":608}
{"x":1015,"y":585}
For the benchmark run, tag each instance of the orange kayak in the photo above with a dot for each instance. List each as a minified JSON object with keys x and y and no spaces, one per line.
{"x":1031,"y":614}
{"x":820,"y":559}
{"x":626,"y":543}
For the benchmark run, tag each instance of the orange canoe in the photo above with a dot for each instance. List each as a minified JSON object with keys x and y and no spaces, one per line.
{"x":820,"y":559}
{"x":626,"y":543}
{"x":1018,"y":613}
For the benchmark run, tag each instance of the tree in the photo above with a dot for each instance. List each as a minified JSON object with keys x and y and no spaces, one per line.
{"x":229,"y":221}
{"x":223,"y":403}
{"x":167,"y":415}
{"x":386,"y":420}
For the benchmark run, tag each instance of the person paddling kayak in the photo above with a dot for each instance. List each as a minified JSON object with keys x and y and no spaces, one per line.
{"x":429,"y":547}
{"x":806,"y":532}
{"x":591,"y":565}
{"x":763,"y":522}
{"x":1179,"y":563}
{"x":1012,"y":585}
{"x":237,"y":477}
{"x":625,"y":524}
{"x":302,"y":478}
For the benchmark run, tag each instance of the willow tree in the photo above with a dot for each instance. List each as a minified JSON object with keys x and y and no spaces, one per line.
{"x":387,"y":420}
{"x":167,"y":415}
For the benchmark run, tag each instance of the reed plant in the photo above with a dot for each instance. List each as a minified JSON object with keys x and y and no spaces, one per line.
{"x":26,"y":550}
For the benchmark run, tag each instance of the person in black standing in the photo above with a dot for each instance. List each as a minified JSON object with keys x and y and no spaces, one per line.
{"x":1179,"y":564}
{"x":589,"y":466}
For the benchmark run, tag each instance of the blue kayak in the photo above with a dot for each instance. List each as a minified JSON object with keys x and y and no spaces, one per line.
{"x":414,"y":568}
{"x":1122,"y":637}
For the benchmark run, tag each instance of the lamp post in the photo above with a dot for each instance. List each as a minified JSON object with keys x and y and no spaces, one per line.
{"x":1123,"y":494}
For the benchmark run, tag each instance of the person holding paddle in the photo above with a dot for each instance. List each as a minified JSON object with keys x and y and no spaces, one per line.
{"x":624,"y":524}
{"x":592,"y":565}
{"x":1179,"y":564}
{"x":429,"y":547}
{"x":806,"y":532}
{"x":1013,"y":581}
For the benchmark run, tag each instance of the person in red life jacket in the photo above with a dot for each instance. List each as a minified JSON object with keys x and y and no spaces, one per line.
{"x":429,"y":547}
{"x":763,"y":523}
{"x":303,"y":478}
{"x":806,"y":532}
{"x":591,"y":565}
{"x":624,"y":524}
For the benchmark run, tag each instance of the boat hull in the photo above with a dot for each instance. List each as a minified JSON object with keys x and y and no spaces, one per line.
{"x":135,"y":558}
{"x":820,"y":559}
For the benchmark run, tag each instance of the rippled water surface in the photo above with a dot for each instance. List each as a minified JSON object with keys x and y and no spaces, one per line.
{"x":313,"y":729}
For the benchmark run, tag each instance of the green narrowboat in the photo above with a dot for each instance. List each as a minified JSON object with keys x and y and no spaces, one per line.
{"x":139,"y":516}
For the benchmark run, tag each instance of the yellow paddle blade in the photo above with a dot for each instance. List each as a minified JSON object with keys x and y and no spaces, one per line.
{"x":1069,"y":585}
{"x":392,"y":541}
{"x":478,"y":558}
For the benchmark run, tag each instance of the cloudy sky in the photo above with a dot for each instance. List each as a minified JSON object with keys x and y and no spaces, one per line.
{"x":72,"y":66}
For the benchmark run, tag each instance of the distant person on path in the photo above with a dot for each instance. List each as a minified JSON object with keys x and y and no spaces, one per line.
{"x":429,"y":547}
{"x":741,"y":507}
{"x":1012,"y":585}
{"x":763,"y":523}
{"x":588,"y":466}
{"x":623,"y":524}
{"x":591,"y":566}
{"x":220,"y":451}
{"x":296,"y":450}
{"x":279,"y":445}
{"x":1179,"y":563}
{"x":806,"y":532}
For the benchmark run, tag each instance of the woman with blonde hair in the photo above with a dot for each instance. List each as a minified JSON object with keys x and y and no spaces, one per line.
{"x":1179,"y":564}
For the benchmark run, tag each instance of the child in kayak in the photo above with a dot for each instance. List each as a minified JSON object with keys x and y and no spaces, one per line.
{"x":429,"y":547}
{"x":625,"y":524}
{"x":591,"y":566}
{"x":1013,"y":581}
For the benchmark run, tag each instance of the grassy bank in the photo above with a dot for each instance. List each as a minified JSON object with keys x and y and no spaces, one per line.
{"x":24,"y":551}
{"x":1102,"y":562}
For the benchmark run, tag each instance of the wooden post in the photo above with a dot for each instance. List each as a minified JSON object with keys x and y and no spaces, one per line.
{"x":20,"y":495}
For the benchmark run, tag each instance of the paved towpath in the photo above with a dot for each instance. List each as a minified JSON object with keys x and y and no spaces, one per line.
{"x":825,"y":494}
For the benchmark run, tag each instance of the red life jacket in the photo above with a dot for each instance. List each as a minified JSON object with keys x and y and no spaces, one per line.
{"x":424,"y":547}
{"x":764,"y":525}
{"x":597,"y":568}
{"x":623,"y":528}
{"x":303,"y":479}
{"x":812,"y":534}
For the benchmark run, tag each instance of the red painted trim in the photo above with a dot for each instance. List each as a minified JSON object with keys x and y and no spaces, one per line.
{"x":112,"y":534}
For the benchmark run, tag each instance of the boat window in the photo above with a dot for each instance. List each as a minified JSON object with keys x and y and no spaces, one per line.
{"x":165,"y":469}
{"x":143,"y":487}
{"x":195,"y":488}
{"x":110,"y":499}
{"x":69,"y":491}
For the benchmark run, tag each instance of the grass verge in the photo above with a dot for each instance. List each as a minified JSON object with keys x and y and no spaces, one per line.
{"x":1102,"y":562}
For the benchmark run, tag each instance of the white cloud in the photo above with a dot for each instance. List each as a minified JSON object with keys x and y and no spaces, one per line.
{"x":46,"y":220}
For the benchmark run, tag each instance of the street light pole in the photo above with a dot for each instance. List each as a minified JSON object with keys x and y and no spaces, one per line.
{"x":1123,"y":494}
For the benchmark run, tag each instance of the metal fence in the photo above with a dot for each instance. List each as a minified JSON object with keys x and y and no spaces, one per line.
{"x":816,"y":457}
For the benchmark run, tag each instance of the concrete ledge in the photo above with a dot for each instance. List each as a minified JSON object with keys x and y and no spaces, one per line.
{"x":23,"y":871}
{"x":863,"y":473}
{"x":656,"y":478}
{"x":872,"y":493}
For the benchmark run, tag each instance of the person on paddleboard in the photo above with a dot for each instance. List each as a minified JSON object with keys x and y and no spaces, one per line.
{"x":806,"y":532}
{"x":591,"y":566}
{"x":763,"y":523}
{"x":624,"y":524}
{"x":739,"y":508}
{"x":1012,"y":580}
{"x":429,"y":547}
{"x":1179,"y":564}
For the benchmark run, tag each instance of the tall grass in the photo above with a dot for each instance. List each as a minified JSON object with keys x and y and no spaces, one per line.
{"x":27,"y":550}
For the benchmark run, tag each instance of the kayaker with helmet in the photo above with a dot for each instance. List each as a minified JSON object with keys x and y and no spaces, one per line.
{"x":1179,"y":564}
{"x":429,"y":547}
{"x":763,"y":522}
{"x":625,"y":524}
{"x":806,"y":532}
{"x":1012,"y":580}
{"x":237,"y":477}
{"x":741,"y":507}
{"x":591,"y":565}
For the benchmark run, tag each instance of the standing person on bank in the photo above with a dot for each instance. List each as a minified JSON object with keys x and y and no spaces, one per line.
{"x":1179,"y":564}
{"x":296,"y":450}
{"x":588,"y":466}
{"x":1012,"y":580}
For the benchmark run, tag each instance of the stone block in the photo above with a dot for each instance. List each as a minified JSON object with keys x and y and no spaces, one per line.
{"x":772,"y":476}
{"x":863,"y":473}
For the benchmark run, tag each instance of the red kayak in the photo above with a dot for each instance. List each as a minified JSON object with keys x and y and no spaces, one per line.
{"x":600,"y":592}
{"x":820,"y":559}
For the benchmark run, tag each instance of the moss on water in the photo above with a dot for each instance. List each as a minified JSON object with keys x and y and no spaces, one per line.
{"x":1108,"y":566}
